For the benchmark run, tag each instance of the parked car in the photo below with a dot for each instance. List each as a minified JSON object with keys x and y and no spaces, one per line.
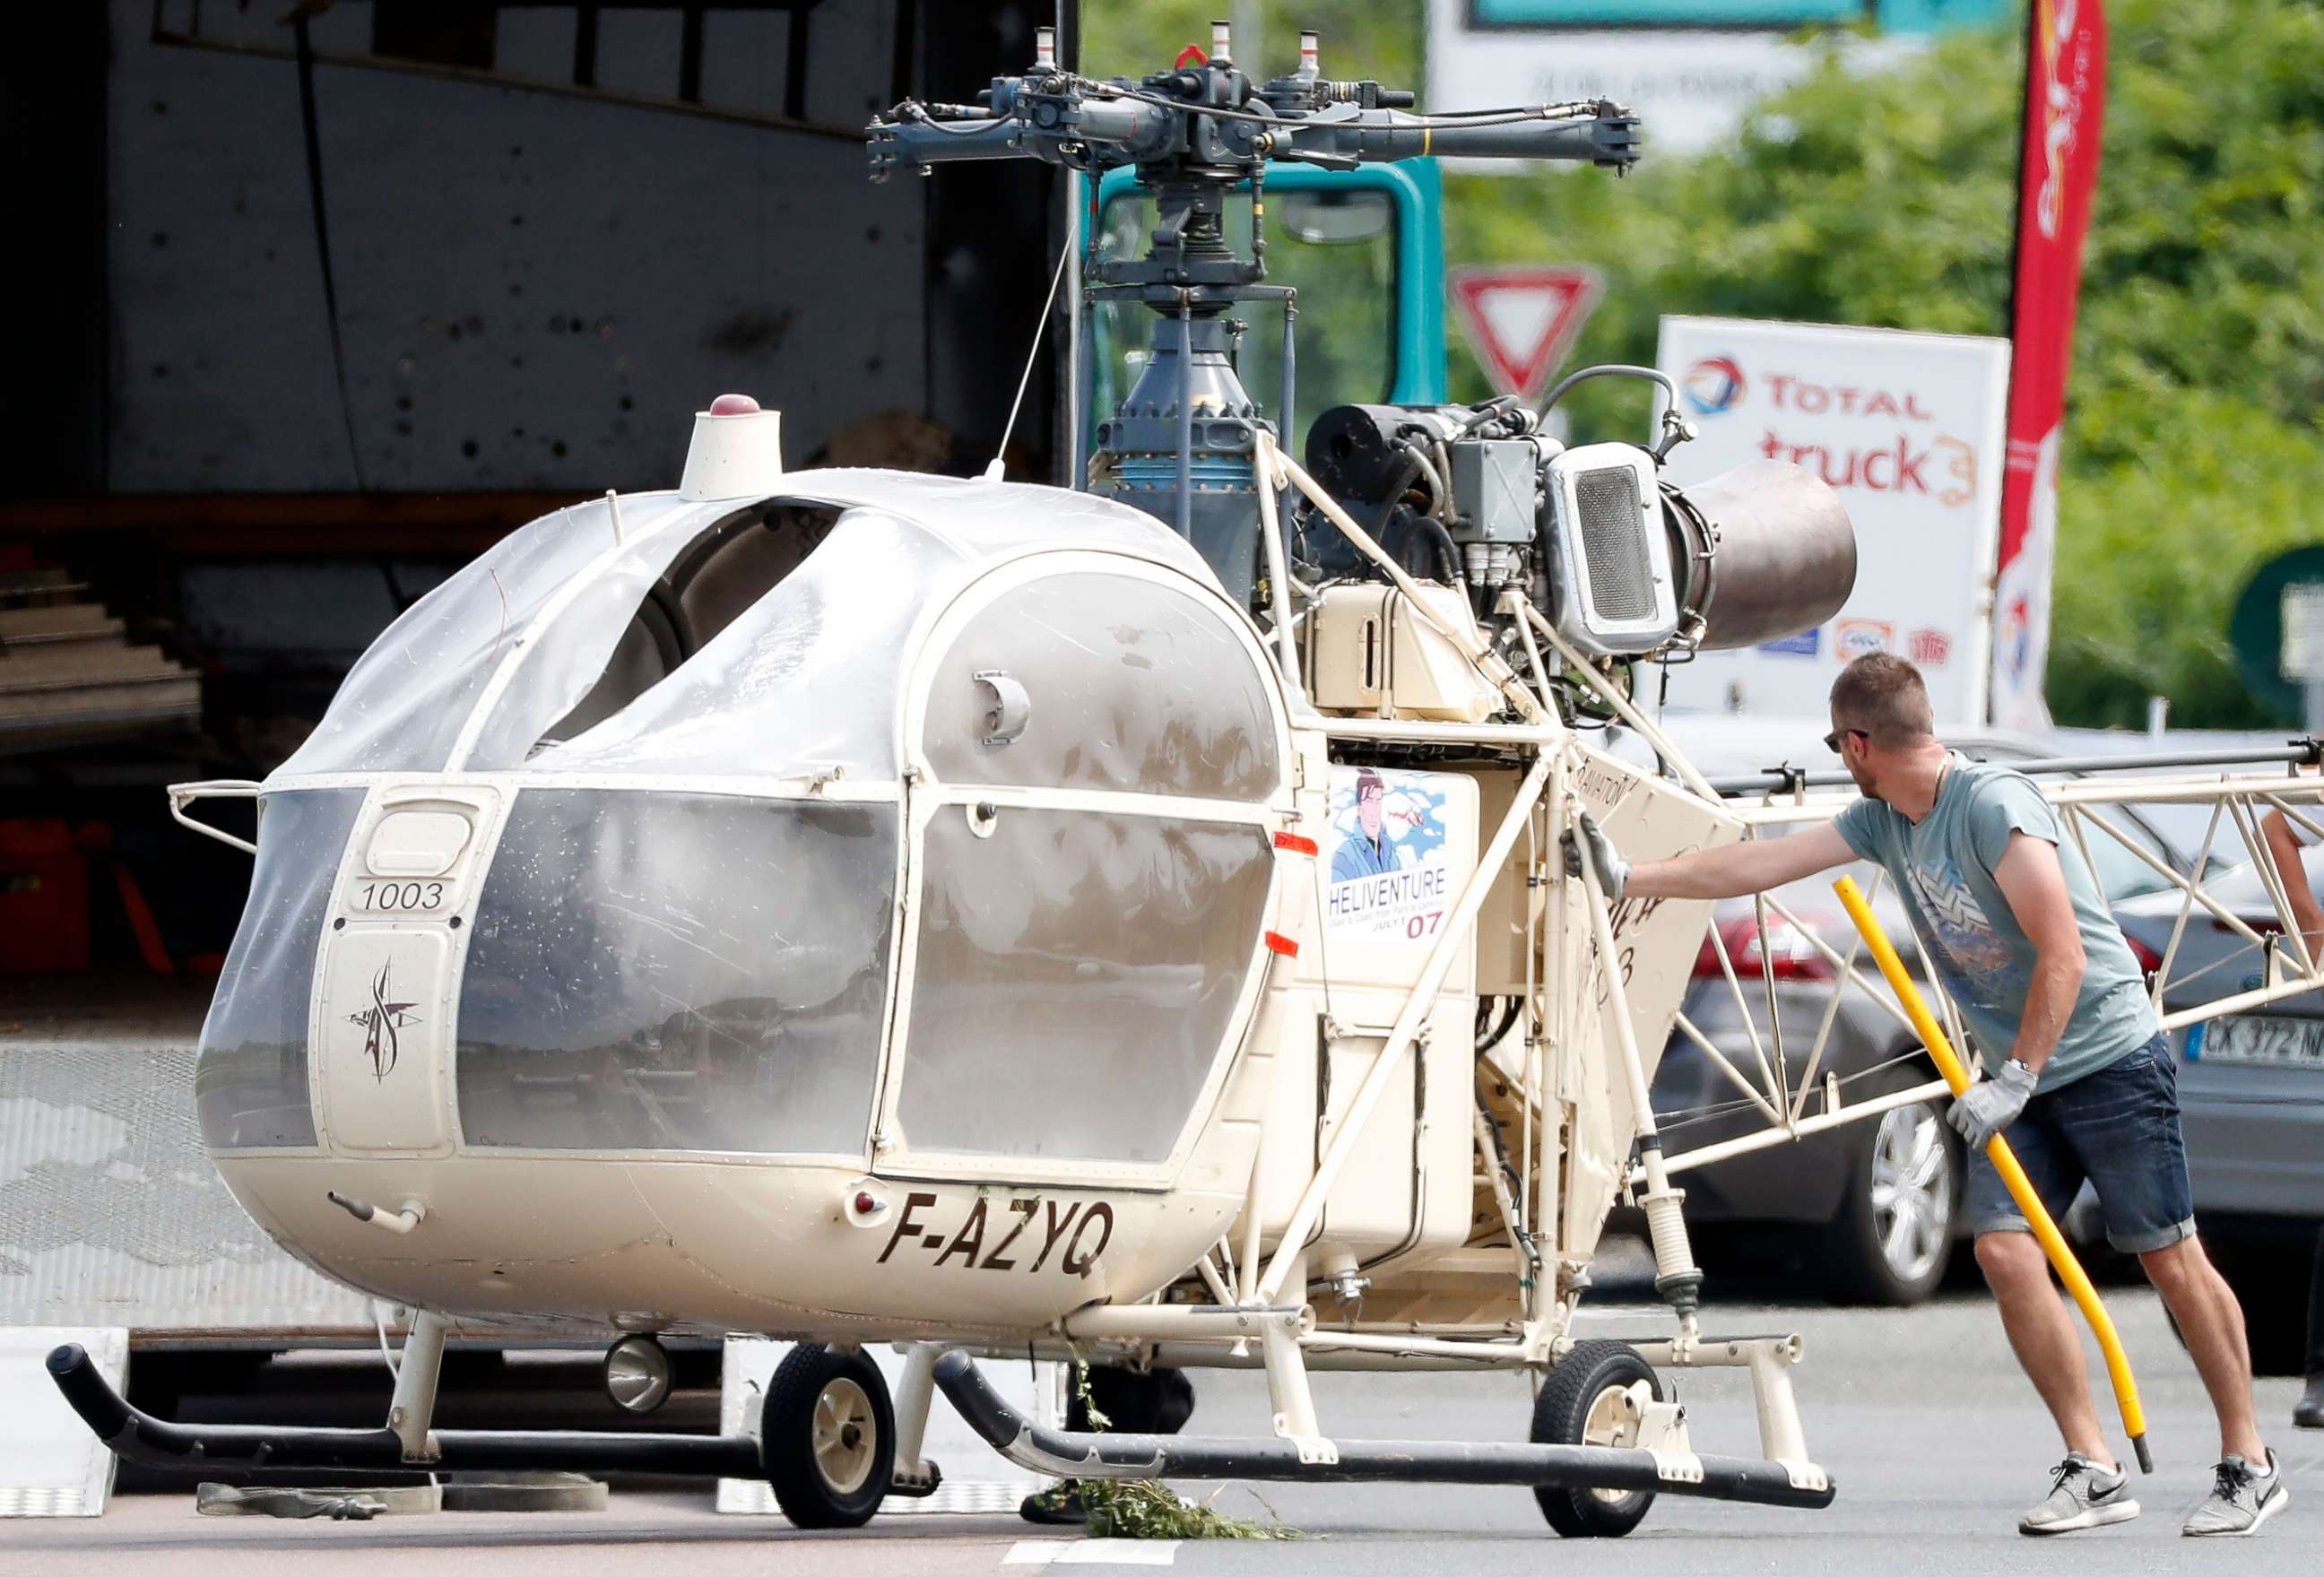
{"x":1880,"y":1199}
{"x":2251,"y":1093}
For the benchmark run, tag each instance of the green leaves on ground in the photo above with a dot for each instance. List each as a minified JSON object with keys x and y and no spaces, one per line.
{"x":1140,"y":1508}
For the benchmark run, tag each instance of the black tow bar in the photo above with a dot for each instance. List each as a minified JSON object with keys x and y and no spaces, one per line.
{"x":232,"y":1450}
{"x":1067,"y":1454}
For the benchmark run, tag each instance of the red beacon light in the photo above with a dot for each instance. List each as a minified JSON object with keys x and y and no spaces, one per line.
{"x":737,"y":451}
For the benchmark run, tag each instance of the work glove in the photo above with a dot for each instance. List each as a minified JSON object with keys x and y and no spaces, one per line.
{"x":1992,"y":1105}
{"x":1613,"y":870}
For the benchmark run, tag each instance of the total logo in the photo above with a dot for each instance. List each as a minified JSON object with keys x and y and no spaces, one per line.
{"x":1713,"y":384}
{"x":1854,"y":637}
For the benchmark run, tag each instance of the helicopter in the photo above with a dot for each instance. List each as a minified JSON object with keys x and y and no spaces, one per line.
{"x":1123,"y":922}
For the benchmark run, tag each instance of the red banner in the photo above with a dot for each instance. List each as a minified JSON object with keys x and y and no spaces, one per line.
{"x":2065,"y":102}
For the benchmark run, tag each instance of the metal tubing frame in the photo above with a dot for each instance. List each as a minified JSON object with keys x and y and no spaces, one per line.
{"x":1417,"y":1003}
{"x":1831,"y":1016}
{"x":184,"y":794}
{"x":1278,"y":575}
{"x":2302,"y":752}
{"x":1166,"y":1321}
{"x":1185,"y":416}
{"x":412,"y":1409}
{"x":2080,"y":800}
{"x":1720,"y":1060}
{"x":2179,"y":924}
{"x":915,"y":1390}
{"x":1745,"y":1144}
{"x":1623,"y":707}
{"x":2289,"y":972}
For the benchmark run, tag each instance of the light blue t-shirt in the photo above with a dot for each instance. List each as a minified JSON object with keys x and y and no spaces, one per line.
{"x":1943,"y":868}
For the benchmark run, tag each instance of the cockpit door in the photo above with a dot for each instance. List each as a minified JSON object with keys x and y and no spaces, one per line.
{"x":1098,"y":750}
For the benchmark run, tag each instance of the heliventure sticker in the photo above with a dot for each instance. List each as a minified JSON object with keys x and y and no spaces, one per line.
{"x":1388,"y":872}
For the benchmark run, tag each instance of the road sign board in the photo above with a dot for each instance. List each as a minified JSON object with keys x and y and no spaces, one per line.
{"x":1521,"y":321}
{"x":1906,"y":429}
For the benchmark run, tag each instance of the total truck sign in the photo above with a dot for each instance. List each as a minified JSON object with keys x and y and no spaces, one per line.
{"x":1908,"y":429}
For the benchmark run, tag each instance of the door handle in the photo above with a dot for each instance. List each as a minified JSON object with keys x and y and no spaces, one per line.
{"x":1007,"y":708}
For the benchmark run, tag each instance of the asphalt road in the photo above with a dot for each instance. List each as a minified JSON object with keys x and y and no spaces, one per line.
{"x":1934,"y":1440}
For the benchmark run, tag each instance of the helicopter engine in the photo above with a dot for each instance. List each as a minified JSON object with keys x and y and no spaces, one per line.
{"x":1624,"y":563}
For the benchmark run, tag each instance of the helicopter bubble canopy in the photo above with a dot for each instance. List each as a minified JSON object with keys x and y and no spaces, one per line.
{"x":472,"y":676}
{"x":998,"y":761}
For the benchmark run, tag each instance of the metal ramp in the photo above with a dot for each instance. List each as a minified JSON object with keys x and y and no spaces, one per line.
{"x":51,"y":1465}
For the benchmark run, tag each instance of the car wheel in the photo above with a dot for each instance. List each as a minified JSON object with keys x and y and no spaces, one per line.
{"x":827,"y":1437}
{"x":1895,"y":1233}
{"x":1581,"y":1406}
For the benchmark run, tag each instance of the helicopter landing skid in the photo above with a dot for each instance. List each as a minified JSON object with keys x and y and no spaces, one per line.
{"x":1068,"y":1454}
{"x":230,"y":1451}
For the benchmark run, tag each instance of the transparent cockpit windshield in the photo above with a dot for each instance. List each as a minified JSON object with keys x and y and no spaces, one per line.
{"x":805,"y":680}
{"x":405,"y":702}
{"x":1131,"y":687}
{"x":250,"y":1075}
{"x":657,"y":971}
{"x":1077,"y":976}
{"x":566,"y":656}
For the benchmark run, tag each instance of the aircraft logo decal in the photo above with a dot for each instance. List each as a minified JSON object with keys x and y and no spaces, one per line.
{"x":1390,"y":875}
{"x":382,"y":1023}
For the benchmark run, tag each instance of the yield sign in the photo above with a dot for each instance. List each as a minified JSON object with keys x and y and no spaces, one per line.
{"x":1521,"y":321}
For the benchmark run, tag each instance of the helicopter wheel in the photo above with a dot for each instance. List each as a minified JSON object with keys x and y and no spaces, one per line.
{"x":827,"y":1437}
{"x":1581,"y":1406}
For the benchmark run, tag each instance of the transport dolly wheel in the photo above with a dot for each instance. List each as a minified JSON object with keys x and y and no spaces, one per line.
{"x":1581,"y":1406}
{"x":827,"y":1437}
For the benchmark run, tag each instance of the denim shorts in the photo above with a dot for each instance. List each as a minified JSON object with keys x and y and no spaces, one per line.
{"x":2120,"y":1129}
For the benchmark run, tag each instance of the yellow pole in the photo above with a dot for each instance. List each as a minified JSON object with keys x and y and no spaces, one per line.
{"x":1996,"y":1150}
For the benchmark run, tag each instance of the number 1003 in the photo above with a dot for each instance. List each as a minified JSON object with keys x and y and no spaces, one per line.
{"x":402,"y":895}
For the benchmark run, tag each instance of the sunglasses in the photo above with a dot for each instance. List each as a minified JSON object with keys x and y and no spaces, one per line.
{"x":1831,"y":741}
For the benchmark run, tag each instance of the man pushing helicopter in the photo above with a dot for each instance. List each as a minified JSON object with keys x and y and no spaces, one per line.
{"x":2080,"y":1081}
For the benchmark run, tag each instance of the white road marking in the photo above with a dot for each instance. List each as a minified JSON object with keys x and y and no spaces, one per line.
{"x":1092,"y":1552}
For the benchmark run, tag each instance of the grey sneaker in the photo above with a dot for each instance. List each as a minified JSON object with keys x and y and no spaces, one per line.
{"x":2242,"y":1498}
{"x":2081,"y":1495}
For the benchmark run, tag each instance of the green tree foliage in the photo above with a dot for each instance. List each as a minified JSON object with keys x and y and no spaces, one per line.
{"x":2194,"y":443}
{"x":1361,"y":38}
